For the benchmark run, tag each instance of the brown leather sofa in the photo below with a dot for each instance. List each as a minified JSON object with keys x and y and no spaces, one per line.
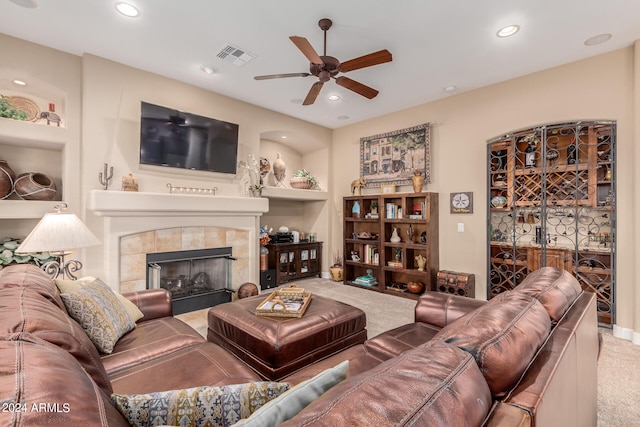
{"x":527,"y":357}
{"x":46,"y":358}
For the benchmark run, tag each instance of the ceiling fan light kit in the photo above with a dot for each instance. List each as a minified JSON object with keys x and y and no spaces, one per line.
{"x":327,"y":67}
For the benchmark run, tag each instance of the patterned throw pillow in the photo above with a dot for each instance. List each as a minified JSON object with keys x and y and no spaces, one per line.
{"x":197,"y":406}
{"x":102,"y":316}
{"x":65,"y":285}
{"x":296,"y":399}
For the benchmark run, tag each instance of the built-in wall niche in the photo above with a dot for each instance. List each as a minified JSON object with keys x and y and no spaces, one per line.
{"x":39,"y":106}
{"x":270,"y":151}
{"x":23,"y":159}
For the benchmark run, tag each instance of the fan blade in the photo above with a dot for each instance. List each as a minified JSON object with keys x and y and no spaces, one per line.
{"x":313,"y":93}
{"x":306,"y":48}
{"x":280,"y":76}
{"x":357,"y":87}
{"x":375,"y":58}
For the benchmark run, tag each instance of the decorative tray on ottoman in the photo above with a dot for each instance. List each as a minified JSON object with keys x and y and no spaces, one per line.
{"x":291,"y":301}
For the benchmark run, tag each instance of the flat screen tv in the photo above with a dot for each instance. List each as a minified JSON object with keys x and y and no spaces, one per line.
{"x":176,"y":139}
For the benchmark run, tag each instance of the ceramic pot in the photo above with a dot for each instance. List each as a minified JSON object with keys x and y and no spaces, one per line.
{"x":415,"y":287}
{"x":499,"y":202}
{"x":418,"y":182}
{"x":35,"y":186}
{"x":7,"y":179}
{"x":336,"y":273}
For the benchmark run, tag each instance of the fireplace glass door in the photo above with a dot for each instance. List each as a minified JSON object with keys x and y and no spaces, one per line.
{"x":196,"y":279}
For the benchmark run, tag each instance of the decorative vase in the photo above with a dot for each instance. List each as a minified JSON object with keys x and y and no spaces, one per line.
{"x":264,"y":258}
{"x":418,"y":181}
{"x":415,"y":287}
{"x":395,"y":238}
{"x":35,"y":186}
{"x":279,"y":169}
{"x":336,"y":273}
{"x":499,"y":202}
{"x":355,"y":210}
{"x":7,"y":179}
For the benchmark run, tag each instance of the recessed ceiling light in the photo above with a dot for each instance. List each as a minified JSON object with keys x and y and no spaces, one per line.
{"x":284,"y":137}
{"x":29,"y":4}
{"x":209,"y":70}
{"x":127,"y":9}
{"x":508,"y":31}
{"x":343,"y":117}
{"x":333,"y":97}
{"x":20,"y":82}
{"x":600,"y":38}
{"x":449,"y":88}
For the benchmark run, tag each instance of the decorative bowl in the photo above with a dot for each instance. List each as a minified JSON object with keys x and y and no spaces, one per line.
{"x":300,"y":182}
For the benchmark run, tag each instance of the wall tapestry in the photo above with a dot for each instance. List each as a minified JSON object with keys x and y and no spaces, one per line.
{"x":393,"y":157}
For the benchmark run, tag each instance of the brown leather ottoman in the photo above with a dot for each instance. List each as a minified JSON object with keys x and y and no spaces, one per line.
{"x":276,"y":346}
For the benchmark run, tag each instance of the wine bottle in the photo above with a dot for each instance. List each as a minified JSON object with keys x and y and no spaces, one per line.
{"x":530,"y":155}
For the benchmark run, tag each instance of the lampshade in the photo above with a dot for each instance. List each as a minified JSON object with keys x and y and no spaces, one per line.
{"x":58,"y":232}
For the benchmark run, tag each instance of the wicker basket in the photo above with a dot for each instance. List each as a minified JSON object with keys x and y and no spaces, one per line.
{"x":301,"y":182}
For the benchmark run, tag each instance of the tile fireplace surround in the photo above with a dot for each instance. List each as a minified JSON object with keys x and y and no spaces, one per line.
{"x":134,"y":224}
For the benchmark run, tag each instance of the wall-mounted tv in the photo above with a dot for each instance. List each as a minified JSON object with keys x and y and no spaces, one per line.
{"x":177,"y":139}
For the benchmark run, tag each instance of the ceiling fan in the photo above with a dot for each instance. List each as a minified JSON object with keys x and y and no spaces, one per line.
{"x":327,"y":67}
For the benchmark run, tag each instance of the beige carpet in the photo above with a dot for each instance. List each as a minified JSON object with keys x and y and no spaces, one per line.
{"x":618,"y":367}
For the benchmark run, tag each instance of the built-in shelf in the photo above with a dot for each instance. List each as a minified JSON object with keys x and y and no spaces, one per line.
{"x":20,"y":133}
{"x":127,"y":203}
{"x":25,"y":209}
{"x":278,"y":193}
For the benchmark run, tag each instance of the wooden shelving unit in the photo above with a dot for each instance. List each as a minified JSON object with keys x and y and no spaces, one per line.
{"x":368,"y":246}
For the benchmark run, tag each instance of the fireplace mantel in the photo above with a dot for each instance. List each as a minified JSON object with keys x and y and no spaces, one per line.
{"x":127,"y":203}
{"x":119,"y":213}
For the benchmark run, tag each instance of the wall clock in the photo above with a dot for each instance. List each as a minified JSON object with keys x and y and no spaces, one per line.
{"x":461,"y":202}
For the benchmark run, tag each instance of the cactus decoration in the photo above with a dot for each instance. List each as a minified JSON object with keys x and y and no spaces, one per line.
{"x":104,"y":178}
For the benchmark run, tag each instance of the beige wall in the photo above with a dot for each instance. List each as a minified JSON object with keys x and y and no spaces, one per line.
{"x":596,"y":88}
{"x":111,"y":109}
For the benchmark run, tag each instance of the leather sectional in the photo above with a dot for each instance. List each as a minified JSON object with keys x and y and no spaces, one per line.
{"x":527,"y":357}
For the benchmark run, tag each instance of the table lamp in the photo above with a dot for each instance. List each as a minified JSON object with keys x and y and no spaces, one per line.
{"x":59,"y":233}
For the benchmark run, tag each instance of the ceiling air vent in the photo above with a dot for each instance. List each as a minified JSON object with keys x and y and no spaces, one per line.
{"x":235,"y":55}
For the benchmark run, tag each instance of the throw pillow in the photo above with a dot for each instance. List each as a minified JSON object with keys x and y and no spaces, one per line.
{"x":296,"y":399}
{"x":100,"y":313}
{"x":197,"y":406}
{"x":65,"y":286}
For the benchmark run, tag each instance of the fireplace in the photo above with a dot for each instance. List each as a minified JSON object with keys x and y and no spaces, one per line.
{"x":196,"y":279}
{"x":134,"y":224}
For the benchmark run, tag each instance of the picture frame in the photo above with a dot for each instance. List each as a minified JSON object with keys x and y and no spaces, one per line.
{"x":461,"y":202}
{"x":393,"y":157}
{"x":388,"y":188}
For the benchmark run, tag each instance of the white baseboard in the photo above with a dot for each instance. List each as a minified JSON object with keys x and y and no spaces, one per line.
{"x":626,"y":334}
